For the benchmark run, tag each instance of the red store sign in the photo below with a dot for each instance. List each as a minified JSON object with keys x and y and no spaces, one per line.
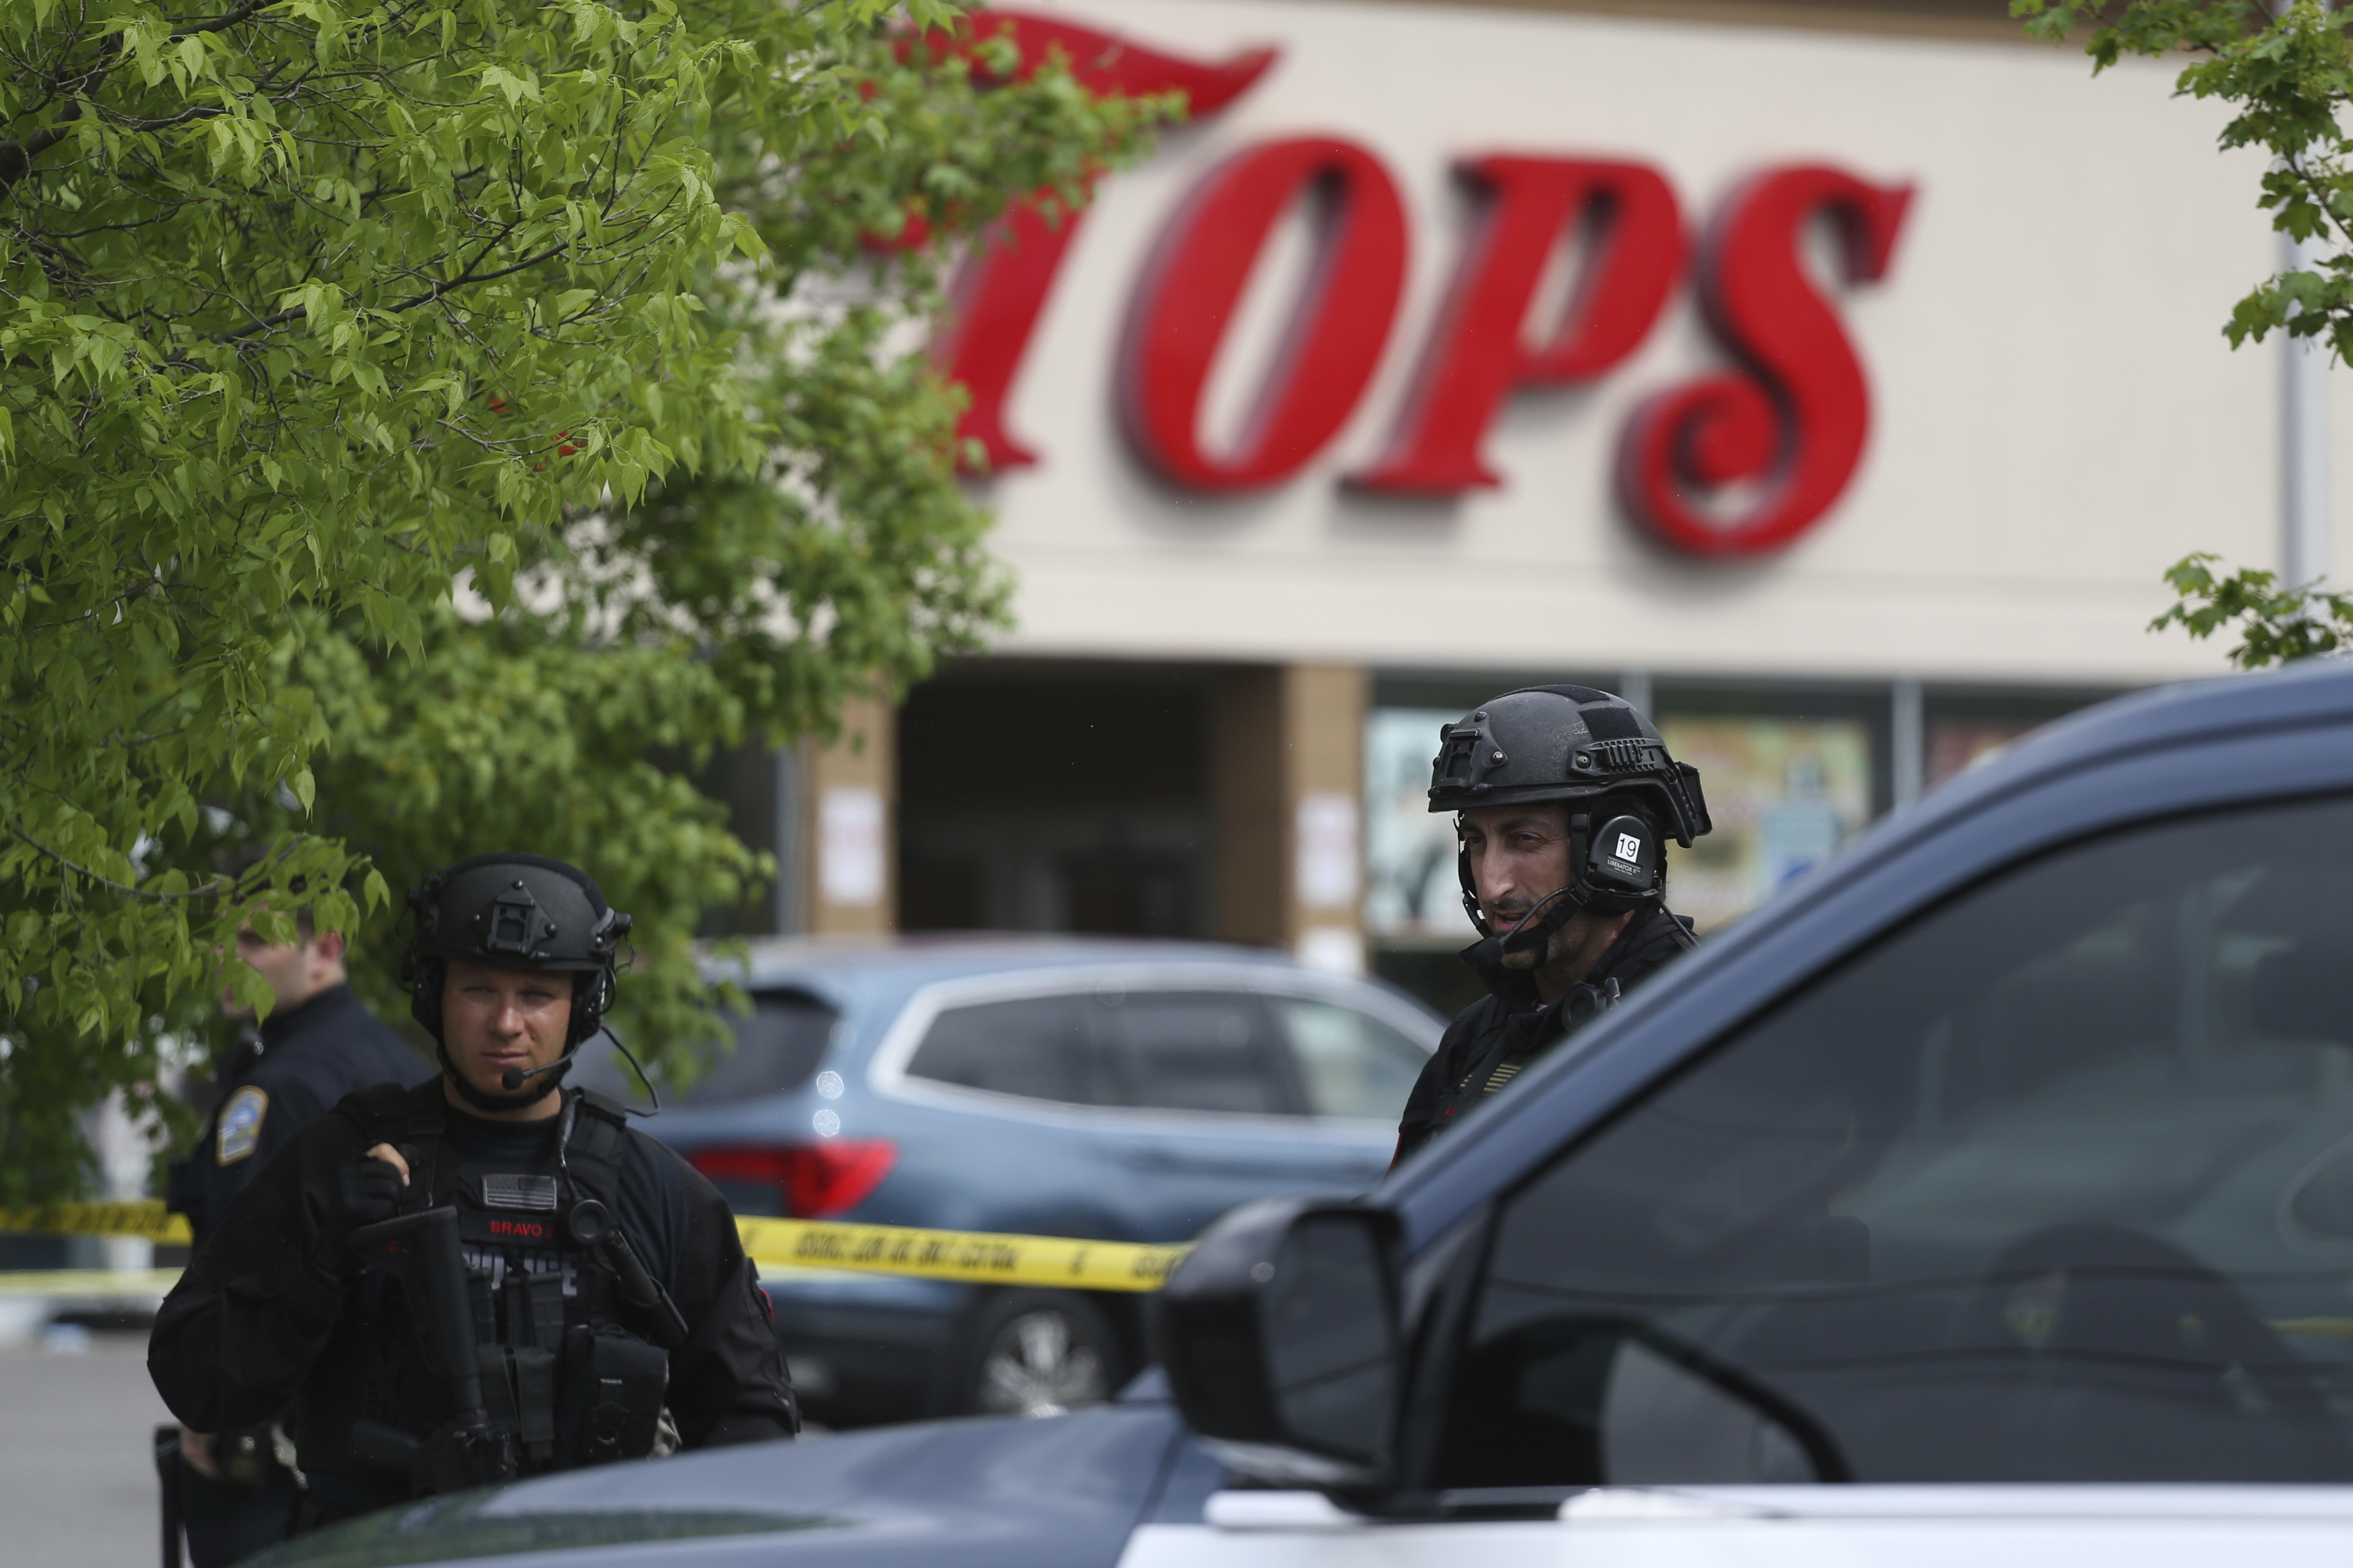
{"x":1740,"y":462}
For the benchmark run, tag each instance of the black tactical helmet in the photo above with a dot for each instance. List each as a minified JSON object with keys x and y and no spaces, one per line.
{"x":514,"y":911}
{"x":1563,"y":742}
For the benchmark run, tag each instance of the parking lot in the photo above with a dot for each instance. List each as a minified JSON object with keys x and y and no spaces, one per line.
{"x":76,"y":1485}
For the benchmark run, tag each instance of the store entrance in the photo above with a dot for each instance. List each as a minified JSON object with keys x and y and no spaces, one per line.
{"x":1053,"y":795}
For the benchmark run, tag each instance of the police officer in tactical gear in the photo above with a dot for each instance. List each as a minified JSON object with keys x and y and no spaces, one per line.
{"x":1565,"y":797}
{"x":489,"y":1276}
{"x":229,"y":1489}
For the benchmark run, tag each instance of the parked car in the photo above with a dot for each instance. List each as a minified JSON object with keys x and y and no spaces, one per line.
{"x":1987,"y":1193}
{"x":1123,"y":1090}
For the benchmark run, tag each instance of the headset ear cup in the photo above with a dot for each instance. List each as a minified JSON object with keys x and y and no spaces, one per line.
{"x":1622,"y":865}
{"x":592,"y":995}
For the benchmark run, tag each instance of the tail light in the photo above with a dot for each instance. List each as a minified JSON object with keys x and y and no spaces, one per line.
{"x":813,"y":1181}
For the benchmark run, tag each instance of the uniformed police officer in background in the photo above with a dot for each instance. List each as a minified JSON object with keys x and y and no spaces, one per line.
{"x":232,"y":1494}
{"x":596,"y":1303}
{"x":1566,"y":797}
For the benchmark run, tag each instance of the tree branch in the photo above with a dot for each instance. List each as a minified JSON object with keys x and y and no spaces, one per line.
{"x":280,"y":318}
{"x":221,"y":24}
{"x":16,"y":157}
{"x":211,"y":890}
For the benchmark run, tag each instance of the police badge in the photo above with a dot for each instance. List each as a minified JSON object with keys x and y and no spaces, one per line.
{"x":240,"y":1124}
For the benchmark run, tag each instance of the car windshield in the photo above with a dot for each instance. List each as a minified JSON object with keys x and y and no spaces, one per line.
{"x":2057,"y":1185}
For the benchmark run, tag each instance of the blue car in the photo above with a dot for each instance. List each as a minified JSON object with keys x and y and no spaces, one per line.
{"x":1985,"y":1196}
{"x":1119,"y":1090}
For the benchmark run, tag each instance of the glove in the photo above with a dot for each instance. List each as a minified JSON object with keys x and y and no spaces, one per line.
{"x":366,"y":1191}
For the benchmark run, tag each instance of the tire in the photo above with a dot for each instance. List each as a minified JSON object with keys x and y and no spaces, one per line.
{"x":1039,"y":1352}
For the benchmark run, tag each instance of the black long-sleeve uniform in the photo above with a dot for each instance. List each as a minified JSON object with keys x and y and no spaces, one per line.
{"x":313,"y":1054}
{"x":1494,"y":1039}
{"x":263,"y":1317}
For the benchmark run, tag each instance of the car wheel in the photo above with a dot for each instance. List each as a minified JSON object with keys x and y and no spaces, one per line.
{"x":1041,"y":1352}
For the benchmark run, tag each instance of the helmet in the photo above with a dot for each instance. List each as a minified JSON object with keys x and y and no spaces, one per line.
{"x":1571,"y":744}
{"x":514,"y":911}
{"x":1563,"y":742}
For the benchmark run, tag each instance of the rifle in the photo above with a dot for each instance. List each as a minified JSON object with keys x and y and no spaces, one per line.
{"x":420,"y":1251}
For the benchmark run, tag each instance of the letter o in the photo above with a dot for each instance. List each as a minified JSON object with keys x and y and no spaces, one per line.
{"x":1185,"y":304}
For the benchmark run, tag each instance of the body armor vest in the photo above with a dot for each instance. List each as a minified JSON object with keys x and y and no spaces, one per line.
{"x":1512,"y":1043}
{"x":569,"y":1373}
{"x":1510,"y":1050}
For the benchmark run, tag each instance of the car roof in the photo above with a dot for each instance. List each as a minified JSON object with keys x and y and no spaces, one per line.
{"x":833,"y":965}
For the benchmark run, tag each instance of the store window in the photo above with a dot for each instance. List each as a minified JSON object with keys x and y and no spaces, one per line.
{"x":1964,"y":729}
{"x":1411,"y":894}
{"x":1785,"y":793}
{"x":1957,"y":745}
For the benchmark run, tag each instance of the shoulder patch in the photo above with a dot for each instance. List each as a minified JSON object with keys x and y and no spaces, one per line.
{"x":239,"y":1129}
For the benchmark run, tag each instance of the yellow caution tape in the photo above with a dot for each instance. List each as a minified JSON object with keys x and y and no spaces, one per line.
{"x":143,"y":1217}
{"x":89,"y":1284}
{"x":796,"y":1244}
{"x":2314,"y":1327}
{"x":1075,"y":1264}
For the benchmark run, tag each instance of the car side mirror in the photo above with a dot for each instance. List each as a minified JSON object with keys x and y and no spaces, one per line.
{"x":1280,"y":1335}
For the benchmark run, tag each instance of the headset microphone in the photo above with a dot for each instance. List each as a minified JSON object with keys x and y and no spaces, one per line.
{"x":1534,"y":931}
{"x":1598,"y":756}
{"x":1610,"y":871}
{"x":515,"y":1078}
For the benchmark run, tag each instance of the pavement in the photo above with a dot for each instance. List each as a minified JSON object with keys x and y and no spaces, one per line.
{"x":76,"y":1481}
{"x":76,"y":1475}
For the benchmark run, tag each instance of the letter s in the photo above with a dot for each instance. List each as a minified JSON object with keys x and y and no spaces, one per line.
{"x":1797,"y":421}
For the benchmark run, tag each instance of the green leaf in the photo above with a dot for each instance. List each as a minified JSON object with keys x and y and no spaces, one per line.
{"x":494,"y":320}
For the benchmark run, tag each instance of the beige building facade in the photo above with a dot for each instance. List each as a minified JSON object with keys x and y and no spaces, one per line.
{"x":1235,"y":638}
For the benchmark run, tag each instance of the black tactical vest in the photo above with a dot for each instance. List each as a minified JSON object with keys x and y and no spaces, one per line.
{"x":1516,"y":1043}
{"x":1515,"y":1040}
{"x":568,"y":1369}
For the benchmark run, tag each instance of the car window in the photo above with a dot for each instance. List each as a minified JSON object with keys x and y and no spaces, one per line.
{"x":1036,"y":1046}
{"x":779,"y":1047}
{"x":1350,"y":1063}
{"x":2054,"y":1184}
{"x":1196,"y":1050}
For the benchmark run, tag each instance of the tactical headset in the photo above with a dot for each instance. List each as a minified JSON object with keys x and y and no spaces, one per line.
{"x":514,"y":911}
{"x":1621,"y":867}
{"x":1572,"y":744}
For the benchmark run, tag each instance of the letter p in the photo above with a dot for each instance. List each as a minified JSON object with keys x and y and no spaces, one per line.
{"x":1479,"y":351}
